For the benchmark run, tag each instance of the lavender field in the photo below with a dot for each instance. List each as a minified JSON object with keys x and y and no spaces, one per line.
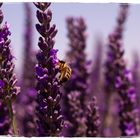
{"x":47,"y":93}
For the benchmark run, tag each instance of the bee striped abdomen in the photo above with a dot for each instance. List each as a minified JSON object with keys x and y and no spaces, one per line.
{"x":65,"y":72}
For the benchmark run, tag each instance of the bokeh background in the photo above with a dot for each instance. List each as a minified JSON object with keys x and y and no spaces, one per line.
{"x":100,"y":20}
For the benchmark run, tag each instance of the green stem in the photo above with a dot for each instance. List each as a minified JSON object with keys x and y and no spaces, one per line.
{"x":12,"y":117}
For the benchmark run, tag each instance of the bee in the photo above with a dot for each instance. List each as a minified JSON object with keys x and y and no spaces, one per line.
{"x":65,"y":71}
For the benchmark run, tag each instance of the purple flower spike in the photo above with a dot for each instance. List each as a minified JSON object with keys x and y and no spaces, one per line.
{"x":48,"y":110}
{"x":120,"y":79}
{"x":115,"y":43}
{"x":77,"y":88}
{"x":77,"y":84}
{"x":26,"y":117}
{"x":8,"y":89}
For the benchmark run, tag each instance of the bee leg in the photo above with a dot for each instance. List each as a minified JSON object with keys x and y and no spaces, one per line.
{"x":61,"y":77}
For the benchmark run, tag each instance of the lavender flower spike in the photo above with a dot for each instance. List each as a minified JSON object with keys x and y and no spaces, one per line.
{"x":114,"y":38}
{"x":78,"y":82}
{"x":29,"y":62}
{"x":8,"y":90}
{"x":26,"y":117}
{"x":122,"y":79}
{"x":111,"y":67}
{"x":4,"y":119}
{"x":50,"y":120}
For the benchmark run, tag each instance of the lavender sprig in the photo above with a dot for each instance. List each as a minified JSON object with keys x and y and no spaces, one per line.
{"x":50,"y":120}
{"x":114,"y":39}
{"x":120,"y":79}
{"x":4,"y":118}
{"x":29,"y":62}
{"x":78,"y":58}
{"x":26,"y":117}
{"x":112,"y":56}
{"x":77,"y":87}
{"x":76,"y":31}
{"x":7,"y":81}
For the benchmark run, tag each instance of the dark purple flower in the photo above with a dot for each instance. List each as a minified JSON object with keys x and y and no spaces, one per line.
{"x":40,"y":71}
{"x":26,"y":117}
{"x":1,"y":84}
{"x":111,"y":65}
{"x":48,"y":110}
{"x":77,"y":88}
{"x":8,"y":89}
{"x":120,"y":79}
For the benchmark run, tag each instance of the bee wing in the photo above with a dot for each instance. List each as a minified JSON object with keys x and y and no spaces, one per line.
{"x":69,"y":62}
